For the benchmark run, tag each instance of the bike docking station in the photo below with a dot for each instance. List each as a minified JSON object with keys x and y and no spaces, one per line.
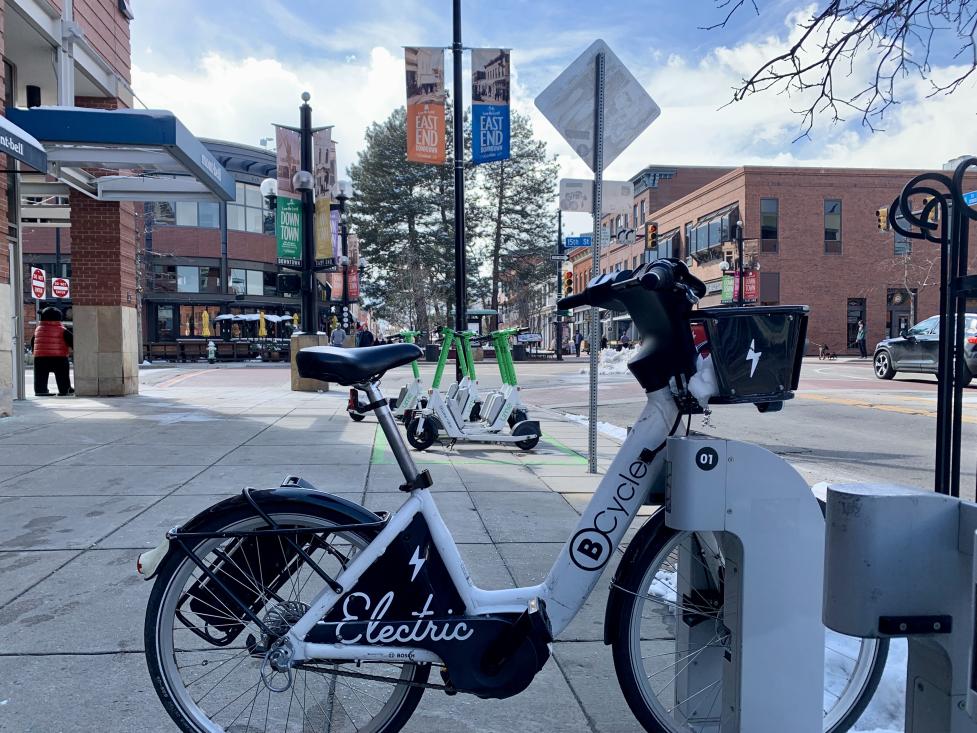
{"x":900,"y":562}
{"x":755,"y":505}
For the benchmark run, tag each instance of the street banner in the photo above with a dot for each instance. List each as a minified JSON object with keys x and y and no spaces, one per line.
{"x":323,"y":163}
{"x":490,"y":105}
{"x":353,"y":283}
{"x":288,"y":231}
{"x":324,"y":252}
{"x":288,"y":156}
{"x":38,"y":283}
{"x":731,"y":287}
{"x":60,"y":287}
{"x":425,"y":105}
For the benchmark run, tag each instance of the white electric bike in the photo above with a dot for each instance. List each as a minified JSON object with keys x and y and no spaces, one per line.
{"x":291,"y":609}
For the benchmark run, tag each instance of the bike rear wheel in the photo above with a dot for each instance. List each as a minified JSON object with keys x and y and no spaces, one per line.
{"x":648,"y":658}
{"x":209,"y":682}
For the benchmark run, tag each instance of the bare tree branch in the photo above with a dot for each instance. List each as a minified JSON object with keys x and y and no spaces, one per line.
{"x":851,"y":56}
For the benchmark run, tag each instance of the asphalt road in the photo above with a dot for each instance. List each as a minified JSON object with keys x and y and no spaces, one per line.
{"x":844,"y":425}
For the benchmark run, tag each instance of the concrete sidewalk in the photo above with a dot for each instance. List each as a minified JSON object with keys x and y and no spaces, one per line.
{"x":85,"y":484}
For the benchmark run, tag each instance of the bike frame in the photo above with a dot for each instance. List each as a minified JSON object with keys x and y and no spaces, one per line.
{"x":638,"y":466}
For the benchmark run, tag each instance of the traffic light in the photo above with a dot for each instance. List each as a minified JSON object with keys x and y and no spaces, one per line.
{"x":883,"y":216}
{"x":651,"y":235}
{"x":934,"y":215}
{"x":567,"y":283}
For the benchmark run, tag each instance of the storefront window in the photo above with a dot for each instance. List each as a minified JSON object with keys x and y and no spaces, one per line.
{"x":187,"y":279}
{"x":164,"y":322}
{"x":856,"y":313}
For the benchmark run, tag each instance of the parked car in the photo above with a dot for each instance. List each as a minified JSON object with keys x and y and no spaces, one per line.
{"x":916,"y":350}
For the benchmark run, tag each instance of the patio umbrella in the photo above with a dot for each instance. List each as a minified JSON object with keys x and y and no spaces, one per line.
{"x":262,"y":331}
{"x":295,"y":320}
{"x":205,"y":324}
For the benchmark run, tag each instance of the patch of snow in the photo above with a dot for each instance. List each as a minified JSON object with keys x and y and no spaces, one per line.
{"x":612,"y":361}
{"x":147,"y":362}
{"x":604,"y":428}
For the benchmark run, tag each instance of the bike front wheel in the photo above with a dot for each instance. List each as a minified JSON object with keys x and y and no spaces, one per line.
{"x":209,"y":662}
{"x":652,"y":657}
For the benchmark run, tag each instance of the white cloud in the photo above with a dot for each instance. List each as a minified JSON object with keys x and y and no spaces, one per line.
{"x":237,"y":98}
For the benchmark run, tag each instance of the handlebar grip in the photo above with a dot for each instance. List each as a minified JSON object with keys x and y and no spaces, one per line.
{"x":659,"y":277}
{"x":573,"y":301}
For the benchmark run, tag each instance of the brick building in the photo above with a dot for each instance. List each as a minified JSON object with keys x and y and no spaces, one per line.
{"x":198,"y":257}
{"x":810,"y":237}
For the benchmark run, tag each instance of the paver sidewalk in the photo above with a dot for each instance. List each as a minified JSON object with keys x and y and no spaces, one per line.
{"x":85,"y":484}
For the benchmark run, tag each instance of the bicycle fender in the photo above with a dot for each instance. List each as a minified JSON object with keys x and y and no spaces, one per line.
{"x":321,"y":503}
{"x":632,"y":560}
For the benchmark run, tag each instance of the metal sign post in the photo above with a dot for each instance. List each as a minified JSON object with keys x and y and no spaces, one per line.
{"x":598,"y":196}
{"x":598,"y":136}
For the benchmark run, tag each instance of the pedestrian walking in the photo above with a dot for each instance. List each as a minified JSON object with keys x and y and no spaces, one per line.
{"x":603,"y":342}
{"x":338,"y":336}
{"x":577,"y":341}
{"x":365,"y":337}
{"x":50,"y":345}
{"x":860,"y":340}
{"x":626,"y":341}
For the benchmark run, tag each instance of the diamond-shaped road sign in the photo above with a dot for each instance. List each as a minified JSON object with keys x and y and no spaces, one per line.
{"x":568,"y":103}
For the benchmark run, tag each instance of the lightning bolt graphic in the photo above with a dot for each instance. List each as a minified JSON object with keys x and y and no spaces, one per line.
{"x":753,"y":356}
{"x":417,"y":561}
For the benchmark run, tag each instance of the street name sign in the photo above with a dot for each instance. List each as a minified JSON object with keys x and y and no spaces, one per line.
{"x":577,"y":194}
{"x":970,"y":198}
{"x":583,"y":241}
{"x":38,"y":283}
{"x":568,"y":103}
{"x":559,"y":258}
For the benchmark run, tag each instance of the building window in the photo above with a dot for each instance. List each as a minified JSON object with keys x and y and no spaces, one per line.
{"x":208,"y":214}
{"x":634,"y":263}
{"x":187,"y":279}
{"x":856,"y":313}
{"x":248,"y":212}
{"x":711,"y":231}
{"x":186,"y":213}
{"x":902,"y":245}
{"x":210,"y":279}
{"x":642,"y":212}
{"x":769,"y":225}
{"x":634,"y":216}
{"x":256,"y":282}
{"x":832,"y":226}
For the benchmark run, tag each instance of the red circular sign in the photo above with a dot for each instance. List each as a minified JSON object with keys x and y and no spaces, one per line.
{"x":59,"y":287}
{"x":38,"y":283}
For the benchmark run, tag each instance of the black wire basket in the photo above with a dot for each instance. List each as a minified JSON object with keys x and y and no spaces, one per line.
{"x":756,"y":352}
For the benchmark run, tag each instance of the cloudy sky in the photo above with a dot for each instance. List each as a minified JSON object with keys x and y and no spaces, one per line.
{"x":230,"y":69}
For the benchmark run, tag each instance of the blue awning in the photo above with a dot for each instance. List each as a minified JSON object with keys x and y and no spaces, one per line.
{"x":168,"y":161}
{"x":21,"y":145}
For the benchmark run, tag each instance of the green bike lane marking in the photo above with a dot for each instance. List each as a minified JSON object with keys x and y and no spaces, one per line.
{"x":382,"y":455}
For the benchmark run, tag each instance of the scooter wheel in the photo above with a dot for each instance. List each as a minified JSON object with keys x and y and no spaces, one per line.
{"x":421,"y":438}
{"x":356,"y":416}
{"x":528,"y":443}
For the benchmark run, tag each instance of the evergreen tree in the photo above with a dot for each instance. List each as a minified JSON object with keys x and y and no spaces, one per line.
{"x":517,"y":196}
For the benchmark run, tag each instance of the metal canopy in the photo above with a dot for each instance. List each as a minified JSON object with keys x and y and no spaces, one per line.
{"x":171,"y":163}
{"x":21,"y":145}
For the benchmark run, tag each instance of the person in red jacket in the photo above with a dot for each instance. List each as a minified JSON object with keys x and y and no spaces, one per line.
{"x":50,"y":345}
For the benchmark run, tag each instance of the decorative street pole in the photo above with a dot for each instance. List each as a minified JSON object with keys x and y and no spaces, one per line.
{"x":461,"y":322}
{"x":558,"y":321}
{"x":310,"y":315}
{"x":739,"y":254}
{"x":342,"y":198}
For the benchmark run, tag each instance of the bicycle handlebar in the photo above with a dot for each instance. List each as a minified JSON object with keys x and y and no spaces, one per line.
{"x":661,"y":275}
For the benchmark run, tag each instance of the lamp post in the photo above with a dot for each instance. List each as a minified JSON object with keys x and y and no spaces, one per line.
{"x":342,"y":198}
{"x":739,"y":255}
{"x":558,"y":321}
